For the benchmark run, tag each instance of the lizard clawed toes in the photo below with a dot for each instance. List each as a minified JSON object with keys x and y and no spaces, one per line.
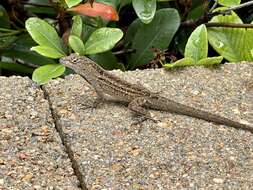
{"x":141,"y":118}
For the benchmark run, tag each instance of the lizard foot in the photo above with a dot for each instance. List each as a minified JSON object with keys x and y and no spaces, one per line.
{"x":141,"y":118}
{"x":97,"y":103}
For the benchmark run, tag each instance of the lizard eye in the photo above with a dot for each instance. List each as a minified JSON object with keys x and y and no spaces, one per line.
{"x":74,"y":60}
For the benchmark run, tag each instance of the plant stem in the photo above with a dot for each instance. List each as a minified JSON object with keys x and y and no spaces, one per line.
{"x":228,"y":25}
{"x":35,"y":4}
{"x":12,"y":33}
{"x":206,"y":17}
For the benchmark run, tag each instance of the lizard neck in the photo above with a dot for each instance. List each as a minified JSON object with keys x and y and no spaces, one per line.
{"x":88,"y":69}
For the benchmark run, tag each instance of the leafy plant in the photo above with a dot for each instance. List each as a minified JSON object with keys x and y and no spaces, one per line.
{"x":50,"y":44}
{"x":234,"y":44}
{"x":196,"y":51}
{"x":158,"y":33}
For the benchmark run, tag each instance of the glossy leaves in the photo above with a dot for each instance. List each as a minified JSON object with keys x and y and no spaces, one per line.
{"x":145,"y":9}
{"x":46,"y":36}
{"x":45,"y":73}
{"x":157,"y":34}
{"x":102,"y":39}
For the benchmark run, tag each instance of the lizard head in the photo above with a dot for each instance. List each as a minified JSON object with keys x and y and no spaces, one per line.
{"x":75,"y":62}
{"x":79,"y":63}
{"x":71,"y":60}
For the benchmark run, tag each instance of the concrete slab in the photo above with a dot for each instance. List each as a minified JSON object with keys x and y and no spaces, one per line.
{"x":178,"y":153}
{"x":31,"y":152}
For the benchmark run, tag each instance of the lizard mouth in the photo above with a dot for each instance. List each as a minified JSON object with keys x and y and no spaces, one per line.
{"x":64,"y":61}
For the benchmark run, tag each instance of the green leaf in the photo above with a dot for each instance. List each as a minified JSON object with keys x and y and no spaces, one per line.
{"x":49,"y":11}
{"x":77,"y":26}
{"x":47,"y":52}
{"x":181,"y":40}
{"x":76,"y":44}
{"x":180,"y":63}
{"x":107,"y":60}
{"x":22,"y":50}
{"x":4,"y":18}
{"x":157,"y":34}
{"x":44,"y":34}
{"x":45,"y":73}
{"x":124,"y":3}
{"x":132,"y":30}
{"x":195,"y":13}
{"x":27,"y":56}
{"x":7,"y":42}
{"x":87,"y":31}
{"x":114,"y":3}
{"x":145,"y":9}
{"x":72,"y":3}
{"x":16,"y":67}
{"x":197,"y":45}
{"x":209,"y":61}
{"x":234,"y":44}
{"x":103,"y":39}
{"x":229,"y":3}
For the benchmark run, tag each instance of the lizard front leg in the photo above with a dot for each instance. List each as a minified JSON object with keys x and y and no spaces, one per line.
{"x":101,"y":96}
{"x":137,"y":106}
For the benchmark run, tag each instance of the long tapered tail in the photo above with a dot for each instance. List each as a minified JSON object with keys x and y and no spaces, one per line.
{"x":175,"y":107}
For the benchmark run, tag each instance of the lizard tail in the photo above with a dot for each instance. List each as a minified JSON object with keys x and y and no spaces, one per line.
{"x":204,"y":115}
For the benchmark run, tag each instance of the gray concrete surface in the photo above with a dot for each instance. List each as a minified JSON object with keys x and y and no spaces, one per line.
{"x":179,"y":152}
{"x":58,"y":141}
{"x":32,"y":156}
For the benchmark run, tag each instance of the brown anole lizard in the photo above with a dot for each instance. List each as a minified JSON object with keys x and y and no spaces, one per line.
{"x":109,"y":87}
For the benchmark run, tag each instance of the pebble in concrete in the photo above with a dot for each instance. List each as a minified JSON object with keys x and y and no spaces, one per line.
{"x":31,"y":153}
{"x":179,"y":152}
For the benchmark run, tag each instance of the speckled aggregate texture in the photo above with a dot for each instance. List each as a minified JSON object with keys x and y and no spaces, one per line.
{"x":31,"y":153}
{"x":179,"y":152}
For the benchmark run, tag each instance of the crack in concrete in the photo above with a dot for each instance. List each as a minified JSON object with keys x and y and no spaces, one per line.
{"x":69,"y":151}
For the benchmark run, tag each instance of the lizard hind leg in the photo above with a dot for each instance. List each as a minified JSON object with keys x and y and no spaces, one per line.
{"x":137,"y":106}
